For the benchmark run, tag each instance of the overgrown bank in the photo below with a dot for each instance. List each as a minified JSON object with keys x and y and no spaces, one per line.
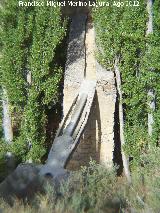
{"x":95,"y":189}
{"x":127,"y":39}
{"x":30,"y":76}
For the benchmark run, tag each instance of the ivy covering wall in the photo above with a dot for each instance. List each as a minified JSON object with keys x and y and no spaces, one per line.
{"x":30,"y":73}
{"x":121,"y":35}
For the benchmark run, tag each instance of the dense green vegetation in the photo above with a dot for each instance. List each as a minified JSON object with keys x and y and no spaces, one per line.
{"x":121,"y":36}
{"x":30,"y":73}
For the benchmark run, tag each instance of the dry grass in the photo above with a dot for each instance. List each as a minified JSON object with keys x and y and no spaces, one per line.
{"x":95,"y":189}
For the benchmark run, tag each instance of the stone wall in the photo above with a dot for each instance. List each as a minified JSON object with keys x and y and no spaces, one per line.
{"x":97,"y":141}
{"x":75,"y":64}
{"x":106,"y":92}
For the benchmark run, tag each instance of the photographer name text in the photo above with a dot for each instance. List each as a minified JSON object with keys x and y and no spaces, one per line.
{"x":78,"y":3}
